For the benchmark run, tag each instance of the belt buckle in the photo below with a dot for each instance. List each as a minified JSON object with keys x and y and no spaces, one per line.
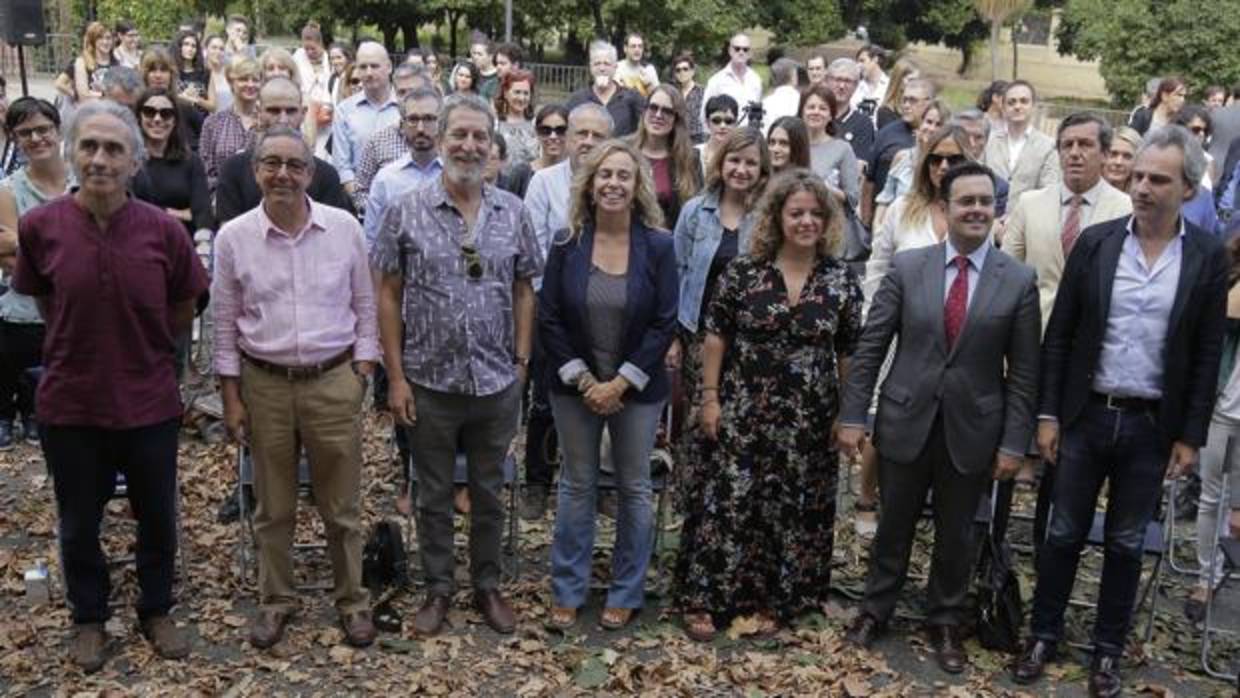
{"x":1111,"y":404}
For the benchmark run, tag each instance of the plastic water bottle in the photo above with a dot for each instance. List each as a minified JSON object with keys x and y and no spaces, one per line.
{"x":37,"y":591}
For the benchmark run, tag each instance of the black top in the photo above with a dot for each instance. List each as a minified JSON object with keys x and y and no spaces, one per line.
{"x":518,"y":180}
{"x":885,"y":116}
{"x":237,"y":191}
{"x":625,"y":107}
{"x":729,"y":248}
{"x":196,"y":78}
{"x":176,"y":184}
{"x":858,"y":130}
{"x":890,"y":140}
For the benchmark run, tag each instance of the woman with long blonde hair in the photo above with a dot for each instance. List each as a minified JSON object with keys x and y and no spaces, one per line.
{"x":94,"y":61}
{"x":759,"y":521}
{"x":663,"y":138}
{"x":607,"y":313}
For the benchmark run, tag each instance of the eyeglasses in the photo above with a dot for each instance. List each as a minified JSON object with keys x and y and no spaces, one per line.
{"x":33,"y":133}
{"x":473,"y":262}
{"x":722,"y":121}
{"x":839,"y":80}
{"x":912,"y":99}
{"x":165,"y":113}
{"x":274,"y":164}
{"x":971,"y":201}
{"x":936,"y":160}
{"x":740,"y":49}
{"x":684,"y":69}
{"x":660,"y":110}
{"x":548,"y":131}
{"x":415,"y":119}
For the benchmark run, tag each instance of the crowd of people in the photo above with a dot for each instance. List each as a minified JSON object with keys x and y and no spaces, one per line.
{"x":840,"y":267}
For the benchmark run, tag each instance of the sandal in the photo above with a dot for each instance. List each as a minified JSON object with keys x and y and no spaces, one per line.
{"x":562,"y":618}
{"x":616,"y":618}
{"x":700,"y":627}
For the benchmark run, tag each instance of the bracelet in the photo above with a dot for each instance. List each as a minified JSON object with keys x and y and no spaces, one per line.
{"x":521,"y":361}
{"x":708,"y":390}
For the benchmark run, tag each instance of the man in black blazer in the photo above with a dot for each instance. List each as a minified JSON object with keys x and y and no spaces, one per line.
{"x":956,"y":408}
{"x":279,"y":104}
{"x":1130,"y":361}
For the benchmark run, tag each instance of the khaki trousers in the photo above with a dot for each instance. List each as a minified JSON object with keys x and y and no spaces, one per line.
{"x":323,"y":415}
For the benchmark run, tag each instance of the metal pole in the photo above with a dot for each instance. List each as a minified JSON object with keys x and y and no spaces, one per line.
{"x":21,"y":67}
{"x":508,"y":21}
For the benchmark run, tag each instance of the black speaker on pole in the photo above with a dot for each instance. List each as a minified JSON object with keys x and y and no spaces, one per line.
{"x":21,"y":22}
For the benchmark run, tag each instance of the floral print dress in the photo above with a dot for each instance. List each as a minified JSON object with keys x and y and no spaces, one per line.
{"x":758,"y":531}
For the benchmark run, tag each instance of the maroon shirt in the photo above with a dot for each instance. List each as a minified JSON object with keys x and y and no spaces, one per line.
{"x":108,"y":353}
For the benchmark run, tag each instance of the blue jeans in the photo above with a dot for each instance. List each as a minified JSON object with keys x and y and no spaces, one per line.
{"x":632,"y":432}
{"x":1124,"y":448}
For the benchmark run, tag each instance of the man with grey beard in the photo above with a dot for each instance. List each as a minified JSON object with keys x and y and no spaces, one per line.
{"x":455,"y":261}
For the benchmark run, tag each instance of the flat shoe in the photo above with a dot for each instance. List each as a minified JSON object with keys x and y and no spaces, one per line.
{"x":562,"y":618}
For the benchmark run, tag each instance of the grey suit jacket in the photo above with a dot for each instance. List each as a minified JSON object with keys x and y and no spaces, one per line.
{"x":1037,"y":166}
{"x":985,"y":386}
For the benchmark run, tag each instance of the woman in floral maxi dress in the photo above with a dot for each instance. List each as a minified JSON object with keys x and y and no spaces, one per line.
{"x":757,"y":538}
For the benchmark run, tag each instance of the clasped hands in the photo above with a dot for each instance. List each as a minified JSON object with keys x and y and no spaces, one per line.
{"x":602,"y":398}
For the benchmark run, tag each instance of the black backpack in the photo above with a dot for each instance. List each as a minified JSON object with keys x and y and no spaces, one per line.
{"x":384,"y":562}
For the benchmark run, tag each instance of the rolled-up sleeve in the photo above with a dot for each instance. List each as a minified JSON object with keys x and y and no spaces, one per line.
{"x":366,"y":347}
{"x":226,"y":304}
{"x":385,"y":249}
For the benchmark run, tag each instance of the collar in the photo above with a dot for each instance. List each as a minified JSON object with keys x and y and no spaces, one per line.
{"x":1090,"y":195}
{"x":976,"y":258}
{"x":437,"y":193}
{"x":731,"y":71}
{"x":313,"y":221}
{"x":1131,"y":228}
{"x":391,"y":99}
{"x":407,"y":162}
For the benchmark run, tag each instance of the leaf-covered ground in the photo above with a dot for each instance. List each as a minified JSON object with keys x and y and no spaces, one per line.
{"x":651,"y":657}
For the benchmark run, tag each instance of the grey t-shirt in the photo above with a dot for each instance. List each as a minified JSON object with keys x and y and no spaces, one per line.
{"x":834,"y":161}
{"x":606,"y":295}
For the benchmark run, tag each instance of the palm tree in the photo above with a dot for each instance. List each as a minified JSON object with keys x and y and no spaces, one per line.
{"x":997,"y":12}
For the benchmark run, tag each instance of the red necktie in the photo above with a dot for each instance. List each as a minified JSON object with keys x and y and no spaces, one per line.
{"x":1071,"y":225}
{"x":957,"y":301}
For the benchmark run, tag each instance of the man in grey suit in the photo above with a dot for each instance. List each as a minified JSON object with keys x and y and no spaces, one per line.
{"x":1020,"y":153}
{"x":955,"y":409}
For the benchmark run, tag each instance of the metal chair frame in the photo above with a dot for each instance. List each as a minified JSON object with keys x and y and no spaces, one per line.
{"x":1231,"y":552}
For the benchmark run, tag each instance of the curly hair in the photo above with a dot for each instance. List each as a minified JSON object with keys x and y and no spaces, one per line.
{"x":501,"y":100}
{"x":645,"y":203}
{"x":740,"y":139}
{"x":768,"y":230}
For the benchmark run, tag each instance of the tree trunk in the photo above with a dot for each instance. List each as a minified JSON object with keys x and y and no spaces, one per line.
{"x":409,"y":34}
{"x":596,"y":8}
{"x":1015,"y":54}
{"x":995,"y":26}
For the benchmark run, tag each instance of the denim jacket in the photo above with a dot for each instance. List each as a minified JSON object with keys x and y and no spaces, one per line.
{"x":697,"y":236}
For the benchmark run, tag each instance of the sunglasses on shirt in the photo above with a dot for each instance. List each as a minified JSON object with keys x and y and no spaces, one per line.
{"x":473,"y":262}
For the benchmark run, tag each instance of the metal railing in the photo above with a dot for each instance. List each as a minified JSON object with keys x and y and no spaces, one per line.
{"x":41,"y":61}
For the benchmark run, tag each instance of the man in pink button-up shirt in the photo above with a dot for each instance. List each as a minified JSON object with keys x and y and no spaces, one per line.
{"x":295,"y":339}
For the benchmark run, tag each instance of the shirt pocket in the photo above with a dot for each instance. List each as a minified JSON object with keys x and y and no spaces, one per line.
{"x":145,"y":284}
{"x":331,"y":284}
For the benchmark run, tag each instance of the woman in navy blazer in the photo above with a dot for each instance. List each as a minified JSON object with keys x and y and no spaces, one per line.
{"x":606,"y":317}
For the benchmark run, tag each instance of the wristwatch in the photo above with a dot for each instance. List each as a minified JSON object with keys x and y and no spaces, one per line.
{"x":521,"y":361}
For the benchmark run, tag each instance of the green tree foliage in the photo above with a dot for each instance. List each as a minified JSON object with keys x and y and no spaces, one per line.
{"x":156,"y":19}
{"x":1135,"y":40}
{"x":894,"y":23}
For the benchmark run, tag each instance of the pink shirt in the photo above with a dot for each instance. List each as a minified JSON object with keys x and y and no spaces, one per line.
{"x":292,"y":300}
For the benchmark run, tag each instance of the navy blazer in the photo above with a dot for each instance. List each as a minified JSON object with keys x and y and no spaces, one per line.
{"x":1073,"y":339}
{"x":651,"y":301}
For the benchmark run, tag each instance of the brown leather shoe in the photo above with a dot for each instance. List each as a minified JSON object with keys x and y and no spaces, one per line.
{"x":495,"y":610}
{"x":169,"y":641}
{"x":87,"y":645}
{"x":429,"y":619}
{"x":268,"y":627}
{"x":948,"y":651}
{"x":359,"y":628}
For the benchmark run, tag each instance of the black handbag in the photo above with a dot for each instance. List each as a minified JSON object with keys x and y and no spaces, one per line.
{"x":384,"y":562}
{"x":1000,"y":611}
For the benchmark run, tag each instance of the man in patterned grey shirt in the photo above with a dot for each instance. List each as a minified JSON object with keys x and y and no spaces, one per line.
{"x":455,"y":261}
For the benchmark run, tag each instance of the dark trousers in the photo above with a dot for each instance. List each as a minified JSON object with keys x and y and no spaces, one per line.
{"x":540,"y":435}
{"x":84,"y":462}
{"x":902,"y":490}
{"x":21,"y":348}
{"x":1126,"y":450}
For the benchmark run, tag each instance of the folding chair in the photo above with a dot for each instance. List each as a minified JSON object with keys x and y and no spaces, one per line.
{"x":1154,"y":545}
{"x":1229,"y":548}
{"x":248,"y":567}
{"x":1191,"y":568}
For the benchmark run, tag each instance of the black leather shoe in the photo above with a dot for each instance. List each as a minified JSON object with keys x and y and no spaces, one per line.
{"x":1032,"y":662}
{"x":948,"y":651}
{"x":1104,"y":681}
{"x":864,"y":630}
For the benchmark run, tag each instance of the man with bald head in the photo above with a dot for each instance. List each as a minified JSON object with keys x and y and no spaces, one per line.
{"x":374,"y":107}
{"x":279,"y":104}
{"x":296,"y":338}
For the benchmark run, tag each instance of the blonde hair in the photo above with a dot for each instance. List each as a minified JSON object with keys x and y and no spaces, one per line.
{"x":768,"y":231}
{"x":240,"y":67}
{"x":740,"y":139}
{"x":282,"y":58}
{"x":645,"y":204}
{"x":90,"y":38}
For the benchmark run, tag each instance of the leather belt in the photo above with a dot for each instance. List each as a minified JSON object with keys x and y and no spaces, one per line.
{"x":300,"y":373}
{"x":1125,"y":404}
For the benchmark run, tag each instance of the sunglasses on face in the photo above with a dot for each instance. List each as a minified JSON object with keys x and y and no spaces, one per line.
{"x":936,"y":160}
{"x":355,"y":82}
{"x":165,"y":113}
{"x":722,"y":121}
{"x":660,"y":110}
{"x":473,"y":262}
{"x":741,"y":49}
{"x":547,"y":131}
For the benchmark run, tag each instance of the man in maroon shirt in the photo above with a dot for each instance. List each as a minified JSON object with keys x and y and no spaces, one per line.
{"x":116,"y":280}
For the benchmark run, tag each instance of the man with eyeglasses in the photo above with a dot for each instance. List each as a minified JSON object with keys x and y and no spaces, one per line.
{"x":736,"y":79}
{"x":891,"y":139}
{"x":295,"y":340}
{"x":853,"y":126}
{"x":388,"y":143}
{"x":420,"y":163}
{"x":374,"y":107}
{"x":955,"y":410}
{"x":455,"y":260}
{"x":624,"y":105}
{"x":237,"y":191}
{"x":1021,"y":153}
